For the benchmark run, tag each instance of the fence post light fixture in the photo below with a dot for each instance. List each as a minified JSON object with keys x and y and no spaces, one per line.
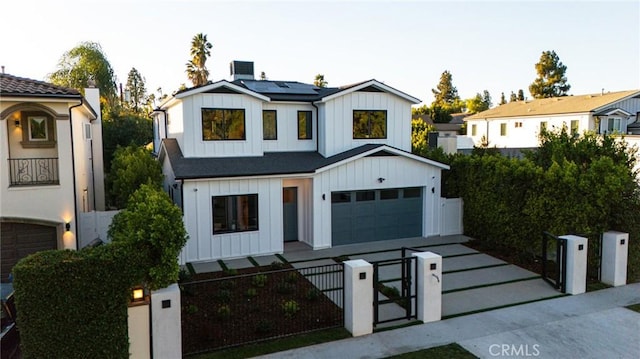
{"x":67,"y":226}
{"x":137,"y":294}
{"x":17,"y":123}
{"x":381,"y":179}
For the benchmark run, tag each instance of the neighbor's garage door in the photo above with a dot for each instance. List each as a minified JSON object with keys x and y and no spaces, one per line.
{"x":375,"y":215}
{"x":21,"y":239}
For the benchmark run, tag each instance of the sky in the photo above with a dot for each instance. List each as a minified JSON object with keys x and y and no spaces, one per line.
{"x":405,"y":44}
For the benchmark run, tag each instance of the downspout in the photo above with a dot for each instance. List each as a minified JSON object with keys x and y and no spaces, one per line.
{"x":73,"y":170}
{"x":317,"y":126}
{"x":487,"y":121}
{"x":182,"y":196}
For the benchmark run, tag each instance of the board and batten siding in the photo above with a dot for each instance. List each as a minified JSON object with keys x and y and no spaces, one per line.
{"x":175,"y":123}
{"x":287,"y":127}
{"x":336,"y":121}
{"x":193,"y":144}
{"x":363,"y":174}
{"x":202,"y":245}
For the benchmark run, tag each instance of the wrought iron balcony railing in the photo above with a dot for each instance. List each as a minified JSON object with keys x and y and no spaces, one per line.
{"x":33,"y":171}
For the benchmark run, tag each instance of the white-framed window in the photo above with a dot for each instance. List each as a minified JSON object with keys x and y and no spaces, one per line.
{"x":614,"y":124}
{"x":474,"y":130}
{"x":575,"y":126}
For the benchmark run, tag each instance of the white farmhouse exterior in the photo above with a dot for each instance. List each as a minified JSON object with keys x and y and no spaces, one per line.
{"x":516,"y":125}
{"x":256,"y":163}
{"x":52,"y":171}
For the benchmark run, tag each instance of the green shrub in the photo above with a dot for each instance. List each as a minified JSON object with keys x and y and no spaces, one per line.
{"x":223,"y":295}
{"x":264,"y":326}
{"x":313,"y":294}
{"x":290,"y":308}
{"x":292,"y":277}
{"x":191,"y":309}
{"x":251,"y":293}
{"x":259,"y":280}
{"x":224,"y":312}
{"x":227,"y":284}
{"x":75,"y":294}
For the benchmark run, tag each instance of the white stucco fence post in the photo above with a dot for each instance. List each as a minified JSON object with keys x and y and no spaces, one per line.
{"x":429,"y":296}
{"x":138,"y":330}
{"x":165,"y":323}
{"x":358,"y":297}
{"x":576,"y":275}
{"x":615,"y":250}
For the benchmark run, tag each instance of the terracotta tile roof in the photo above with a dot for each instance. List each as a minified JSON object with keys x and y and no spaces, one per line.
{"x":555,"y":105}
{"x":18,"y":86}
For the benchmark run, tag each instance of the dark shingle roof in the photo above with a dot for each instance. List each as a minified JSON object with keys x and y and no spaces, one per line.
{"x":18,"y":86}
{"x":287,"y":90}
{"x":272,"y":163}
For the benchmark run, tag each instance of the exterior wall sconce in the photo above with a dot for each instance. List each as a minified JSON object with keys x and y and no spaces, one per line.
{"x":381,"y":179}
{"x":17,"y":123}
{"x":323,"y":197}
{"x":67,"y":226}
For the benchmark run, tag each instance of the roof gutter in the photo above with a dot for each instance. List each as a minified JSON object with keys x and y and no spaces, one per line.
{"x":73,"y":170}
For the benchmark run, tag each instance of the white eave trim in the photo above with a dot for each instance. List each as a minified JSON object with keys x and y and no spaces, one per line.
{"x":388,"y":149}
{"x":366,"y":84}
{"x":222,"y":83}
{"x":615,"y":111}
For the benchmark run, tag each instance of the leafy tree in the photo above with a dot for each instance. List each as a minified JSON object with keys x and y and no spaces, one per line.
{"x":122,"y":129}
{"x":503,"y":100}
{"x":320,"y":81}
{"x":153,"y":225}
{"x":520,"y":95}
{"x":422,"y":110}
{"x":136,"y":89}
{"x":513,"y":97}
{"x":479,"y":103}
{"x":263,"y":76}
{"x":420,"y":136}
{"x":83,"y":65}
{"x":551,"y":80}
{"x":440,"y":114}
{"x":131,"y":167}
{"x":200,"y":50}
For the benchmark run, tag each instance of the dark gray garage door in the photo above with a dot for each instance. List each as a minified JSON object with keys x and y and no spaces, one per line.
{"x":21,"y":239}
{"x":375,"y":215}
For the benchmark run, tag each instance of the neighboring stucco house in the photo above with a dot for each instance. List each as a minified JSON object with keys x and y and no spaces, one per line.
{"x":256,"y":163}
{"x":516,"y":125}
{"x":51,"y":165}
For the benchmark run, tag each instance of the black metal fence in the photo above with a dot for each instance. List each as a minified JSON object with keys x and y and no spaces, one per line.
{"x":554,"y":261}
{"x":33,"y":171}
{"x":246,"y":308}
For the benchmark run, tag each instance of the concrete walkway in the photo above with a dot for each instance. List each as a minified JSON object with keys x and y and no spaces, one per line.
{"x":590,"y":325}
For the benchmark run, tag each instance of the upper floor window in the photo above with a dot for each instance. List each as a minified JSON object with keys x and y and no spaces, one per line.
{"x":235,"y":213}
{"x":614,"y":125}
{"x":37,"y":129}
{"x":369,"y":124}
{"x":305,"y":130}
{"x":269,"y":125}
{"x":223,"y":124}
{"x":503,"y":129}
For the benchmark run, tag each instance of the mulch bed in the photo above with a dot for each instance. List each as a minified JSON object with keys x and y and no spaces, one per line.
{"x":250,"y":306}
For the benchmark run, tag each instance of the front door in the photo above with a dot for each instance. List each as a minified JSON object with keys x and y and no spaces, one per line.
{"x":290,"y":213}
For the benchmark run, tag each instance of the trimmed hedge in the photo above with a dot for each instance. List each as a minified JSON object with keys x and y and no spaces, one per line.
{"x":572,"y":185}
{"x":73,"y":304}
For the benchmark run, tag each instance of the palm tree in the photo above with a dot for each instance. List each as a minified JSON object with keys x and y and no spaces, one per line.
{"x":200,"y":51}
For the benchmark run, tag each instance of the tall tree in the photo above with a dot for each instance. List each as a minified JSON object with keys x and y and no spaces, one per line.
{"x":551,"y":80}
{"x":136,"y":89}
{"x":83,"y":65}
{"x":445,"y":93}
{"x":320,"y":81}
{"x":200,"y":51}
{"x":513,"y":97}
{"x":520,"y":95}
{"x":479,"y":103}
{"x":503,"y":99}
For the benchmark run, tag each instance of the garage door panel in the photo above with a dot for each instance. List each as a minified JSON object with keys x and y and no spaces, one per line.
{"x":18,"y":240}
{"x":374,"y":215}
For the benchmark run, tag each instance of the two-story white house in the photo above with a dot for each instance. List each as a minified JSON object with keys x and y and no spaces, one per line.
{"x":256,"y":163}
{"x":50,"y":166}
{"x":516,"y":125}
